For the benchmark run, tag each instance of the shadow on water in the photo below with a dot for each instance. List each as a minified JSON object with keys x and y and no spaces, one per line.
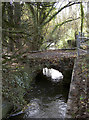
{"x":47,"y":99}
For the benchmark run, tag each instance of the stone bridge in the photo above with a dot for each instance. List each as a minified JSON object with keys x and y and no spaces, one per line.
{"x":62,"y":60}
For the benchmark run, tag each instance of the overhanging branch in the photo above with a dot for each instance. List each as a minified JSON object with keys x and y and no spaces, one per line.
{"x":67,"y":5}
{"x":64,"y":22}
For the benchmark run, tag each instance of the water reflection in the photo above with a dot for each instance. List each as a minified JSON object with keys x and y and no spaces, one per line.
{"x":55,"y":75}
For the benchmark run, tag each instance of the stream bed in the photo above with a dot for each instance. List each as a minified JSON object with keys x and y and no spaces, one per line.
{"x":45,"y":98}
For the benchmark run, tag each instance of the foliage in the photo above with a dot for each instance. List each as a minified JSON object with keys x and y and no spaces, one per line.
{"x":64,"y":22}
{"x":30,"y":24}
{"x":15,"y":85}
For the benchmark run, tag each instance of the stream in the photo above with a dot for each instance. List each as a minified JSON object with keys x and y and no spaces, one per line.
{"x":46,"y":99}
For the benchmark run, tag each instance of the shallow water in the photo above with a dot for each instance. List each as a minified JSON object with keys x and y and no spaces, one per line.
{"x":47,"y":99}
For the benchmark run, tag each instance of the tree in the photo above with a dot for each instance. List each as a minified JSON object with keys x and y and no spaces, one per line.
{"x":88,"y":16}
{"x":82,"y":17}
{"x":39,"y":13}
{"x":11,"y":22}
{"x":42,"y":14}
{"x":30,"y":30}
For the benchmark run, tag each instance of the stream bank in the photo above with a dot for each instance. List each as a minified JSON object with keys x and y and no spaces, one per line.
{"x":78,"y":100}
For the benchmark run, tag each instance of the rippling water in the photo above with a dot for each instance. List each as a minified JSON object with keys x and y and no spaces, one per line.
{"x":55,"y":109}
{"x":47,"y":103}
{"x":47,"y":99}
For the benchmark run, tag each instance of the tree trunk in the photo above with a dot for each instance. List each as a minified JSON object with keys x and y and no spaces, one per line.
{"x":17,"y":22}
{"x":10,"y":20}
{"x":88,"y":16}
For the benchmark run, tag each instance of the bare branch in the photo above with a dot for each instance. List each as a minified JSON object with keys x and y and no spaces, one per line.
{"x":67,"y":5}
{"x":64,"y":22}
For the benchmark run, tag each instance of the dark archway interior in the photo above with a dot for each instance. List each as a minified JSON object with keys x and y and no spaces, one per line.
{"x":61,"y":87}
{"x":66,"y":75}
